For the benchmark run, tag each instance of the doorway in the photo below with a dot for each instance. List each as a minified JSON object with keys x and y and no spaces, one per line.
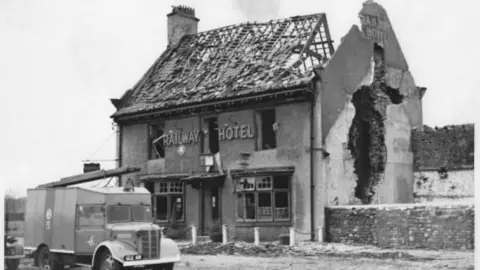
{"x":210,"y":209}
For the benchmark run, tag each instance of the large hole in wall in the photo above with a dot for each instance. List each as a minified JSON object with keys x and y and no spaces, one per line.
{"x":366,"y":138}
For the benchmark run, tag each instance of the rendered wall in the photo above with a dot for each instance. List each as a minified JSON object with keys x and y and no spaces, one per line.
{"x":293,"y":149}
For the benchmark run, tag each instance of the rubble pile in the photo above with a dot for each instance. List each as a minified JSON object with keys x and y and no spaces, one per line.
{"x":305,"y":249}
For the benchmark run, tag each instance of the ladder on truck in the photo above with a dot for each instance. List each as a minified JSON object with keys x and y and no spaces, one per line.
{"x":89,"y":177}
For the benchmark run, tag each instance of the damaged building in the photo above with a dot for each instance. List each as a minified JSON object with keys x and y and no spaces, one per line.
{"x":265,"y":124}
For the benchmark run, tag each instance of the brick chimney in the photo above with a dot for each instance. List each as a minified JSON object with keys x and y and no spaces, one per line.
{"x":181,"y":22}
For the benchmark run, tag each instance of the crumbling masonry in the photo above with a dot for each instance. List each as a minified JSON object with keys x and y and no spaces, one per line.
{"x":366,"y":138}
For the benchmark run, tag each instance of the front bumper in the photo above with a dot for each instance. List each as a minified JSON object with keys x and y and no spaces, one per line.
{"x":148,"y":262}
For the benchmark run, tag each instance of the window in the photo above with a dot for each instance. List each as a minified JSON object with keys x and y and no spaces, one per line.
{"x":267,"y":127}
{"x":90,"y":215}
{"x":141,"y":213}
{"x":211,"y":139}
{"x":155,"y":144}
{"x":118,"y":213}
{"x":128,"y":213}
{"x":263,"y":198}
{"x":169,"y":201}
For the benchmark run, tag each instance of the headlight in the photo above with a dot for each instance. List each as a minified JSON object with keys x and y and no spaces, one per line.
{"x":133,"y":257}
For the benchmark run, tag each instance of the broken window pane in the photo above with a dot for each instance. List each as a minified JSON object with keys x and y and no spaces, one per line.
{"x":264,"y":183}
{"x":267,"y":119}
{"x":156,"y":146}
{"x":265,"y":206}
{"x":281,"y":182}
{"x":250,"y":205}
{"x":281,"y":205}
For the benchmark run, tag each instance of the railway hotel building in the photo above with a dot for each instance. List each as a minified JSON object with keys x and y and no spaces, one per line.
{"x":265,"y":124}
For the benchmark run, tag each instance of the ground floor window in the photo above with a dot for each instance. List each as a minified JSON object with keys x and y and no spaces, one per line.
{"x":263,"y":198}
{"x":168,"y":200}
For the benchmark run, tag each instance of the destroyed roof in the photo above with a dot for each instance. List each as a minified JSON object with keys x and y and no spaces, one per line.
{"x":450,"y":147}
{"x":230,"y":62}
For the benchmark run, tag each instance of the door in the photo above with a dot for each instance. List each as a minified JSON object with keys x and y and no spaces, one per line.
{"x":89,"y":228}
{"x":210,"y":212}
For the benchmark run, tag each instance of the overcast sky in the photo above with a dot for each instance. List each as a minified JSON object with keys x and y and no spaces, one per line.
{"x":61,"y":62}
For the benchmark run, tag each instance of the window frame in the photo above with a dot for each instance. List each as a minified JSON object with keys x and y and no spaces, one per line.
{"x":77,"y":216}
{"x":205,"y":138}
{"x":152,"y":152}
{"x":259,"y":128}
{"x":169,"y":195}
{"x":256,"y":191}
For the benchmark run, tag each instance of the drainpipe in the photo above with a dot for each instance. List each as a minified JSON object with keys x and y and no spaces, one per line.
{"x":119,"y":150}
{"x":312,"y":159}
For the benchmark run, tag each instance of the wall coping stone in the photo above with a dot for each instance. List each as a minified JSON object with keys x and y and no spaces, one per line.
{"x":404,"y":206}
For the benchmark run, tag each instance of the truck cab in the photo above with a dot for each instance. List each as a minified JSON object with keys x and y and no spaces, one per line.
{"x":105,"y":228}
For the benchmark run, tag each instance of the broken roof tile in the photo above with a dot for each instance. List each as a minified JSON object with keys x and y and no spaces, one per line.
{"x":250,"y":58}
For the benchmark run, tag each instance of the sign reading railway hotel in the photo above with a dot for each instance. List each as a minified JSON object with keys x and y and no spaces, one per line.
{"x":225,"y":133}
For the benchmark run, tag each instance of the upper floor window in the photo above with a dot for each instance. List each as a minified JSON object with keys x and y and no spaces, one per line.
{"x":169,"y":201}
{"x":263,"y":198}
{"x":211,"y":140}
{"x":267,"y":127}
{"x":156,"y":146}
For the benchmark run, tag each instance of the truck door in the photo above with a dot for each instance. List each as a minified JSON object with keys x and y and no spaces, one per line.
{"x":90,"y":228}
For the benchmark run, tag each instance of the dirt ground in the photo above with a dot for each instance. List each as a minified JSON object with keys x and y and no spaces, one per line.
{"x":464,"y":260}
{"x":311,"y":263}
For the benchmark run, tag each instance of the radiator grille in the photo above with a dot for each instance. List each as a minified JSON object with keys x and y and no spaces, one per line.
{"x":150,"y":240}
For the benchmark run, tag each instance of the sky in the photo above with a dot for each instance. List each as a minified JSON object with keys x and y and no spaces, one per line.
{"x":61,"y":61}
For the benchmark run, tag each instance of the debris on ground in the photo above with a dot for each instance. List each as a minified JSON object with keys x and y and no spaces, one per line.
{"x":305,"y":249}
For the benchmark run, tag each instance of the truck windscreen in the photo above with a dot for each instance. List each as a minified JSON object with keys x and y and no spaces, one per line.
{"x":126,"y":213}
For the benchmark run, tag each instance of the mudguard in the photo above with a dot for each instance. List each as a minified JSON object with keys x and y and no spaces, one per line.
{"x":169,"y":252}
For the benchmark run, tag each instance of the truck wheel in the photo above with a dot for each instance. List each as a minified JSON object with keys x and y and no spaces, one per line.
{"x":12,"y":264}
{"x":107,"y":262}
{"x":42,"y":259}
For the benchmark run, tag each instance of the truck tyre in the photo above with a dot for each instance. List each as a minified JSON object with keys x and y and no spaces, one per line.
{"x":42,"y":258}
{"x":12,"y":264}
{"x":107,"y":262}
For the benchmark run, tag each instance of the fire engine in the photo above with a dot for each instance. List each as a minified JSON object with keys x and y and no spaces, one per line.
{"x":100,"y":227}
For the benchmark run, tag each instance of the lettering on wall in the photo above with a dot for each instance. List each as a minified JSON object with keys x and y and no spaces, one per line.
{"x":235,"y":132}
{"x":224,"y":133}
{"x":181,"y":138}
{"x":375,"y":28}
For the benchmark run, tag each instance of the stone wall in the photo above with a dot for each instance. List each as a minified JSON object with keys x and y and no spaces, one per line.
{"x":450,"y":147}
{"x":402,"y":225}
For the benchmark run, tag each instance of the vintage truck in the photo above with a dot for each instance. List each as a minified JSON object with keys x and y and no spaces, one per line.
{"x":13,"y":249}
{"x":103,"y":228}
